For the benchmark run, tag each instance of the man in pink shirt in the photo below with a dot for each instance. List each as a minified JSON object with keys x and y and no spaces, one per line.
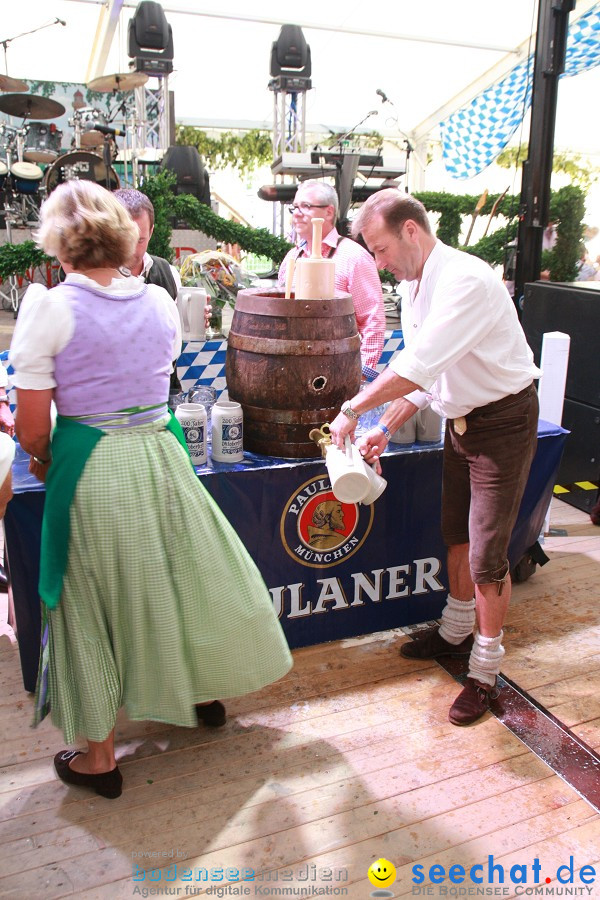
{"x":355,"y":269}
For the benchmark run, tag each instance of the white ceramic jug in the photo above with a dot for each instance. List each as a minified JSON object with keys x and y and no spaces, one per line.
{"x":378,"y":485}
{"x":227,"y":431}
{"x":192,"y":418}
{"x":191,"y":303}
{"x":347,"y":473}
{"x":352,"y":479}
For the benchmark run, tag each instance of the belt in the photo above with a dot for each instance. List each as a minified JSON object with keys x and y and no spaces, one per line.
{"x":460,"y":424}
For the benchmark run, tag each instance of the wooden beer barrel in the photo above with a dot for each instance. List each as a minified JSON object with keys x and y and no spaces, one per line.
{"x":291,"y":364}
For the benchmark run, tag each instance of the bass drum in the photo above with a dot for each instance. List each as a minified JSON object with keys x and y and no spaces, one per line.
{"x":80,"y":165}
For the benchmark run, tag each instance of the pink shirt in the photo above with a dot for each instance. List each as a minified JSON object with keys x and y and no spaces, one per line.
{"x":355,"y":274}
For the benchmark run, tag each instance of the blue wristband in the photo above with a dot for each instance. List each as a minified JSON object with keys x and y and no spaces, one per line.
{"x":385,"y":430}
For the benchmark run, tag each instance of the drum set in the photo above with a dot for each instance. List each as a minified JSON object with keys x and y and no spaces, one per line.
{"x":33,"y":159}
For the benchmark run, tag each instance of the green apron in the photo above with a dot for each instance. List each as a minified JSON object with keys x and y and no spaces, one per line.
{"x":72,"y":445}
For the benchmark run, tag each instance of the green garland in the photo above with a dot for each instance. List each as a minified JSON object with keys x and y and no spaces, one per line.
{"x":243,"y":153}
{"x":248,"y":151}
{"x":16,"y":259}
{"x":567,"y":207}
{"x":198,"y":216}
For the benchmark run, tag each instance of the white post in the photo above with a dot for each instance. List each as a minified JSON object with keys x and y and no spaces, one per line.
{"x":554,"y":364}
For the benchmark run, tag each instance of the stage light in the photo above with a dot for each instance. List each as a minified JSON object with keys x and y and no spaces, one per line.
{"x":290,"y":61}
{"x":150,"y":39}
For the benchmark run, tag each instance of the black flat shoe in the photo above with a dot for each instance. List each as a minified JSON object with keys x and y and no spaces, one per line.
{"x":107,"y":784}
{"x":212,"y":714}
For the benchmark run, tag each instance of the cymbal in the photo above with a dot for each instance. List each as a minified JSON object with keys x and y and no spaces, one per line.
{"x":125,"y":82}
{"x":30,"y":106}
{"x":12,"y":84}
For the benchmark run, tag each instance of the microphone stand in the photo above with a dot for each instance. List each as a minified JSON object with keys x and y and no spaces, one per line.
{"x":409,"y":149}
{"x":407,"y":144}
{"x":343,"y":137}
{"x":122,"y":108}
{"x":8,"y":41}
{"x":107,"y":159}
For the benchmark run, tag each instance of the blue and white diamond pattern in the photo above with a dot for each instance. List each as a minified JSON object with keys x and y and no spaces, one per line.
{"x":473,"y":136}
{"x":203,"y":362}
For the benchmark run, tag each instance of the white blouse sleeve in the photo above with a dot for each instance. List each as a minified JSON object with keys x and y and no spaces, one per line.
{"x":44,"y":328}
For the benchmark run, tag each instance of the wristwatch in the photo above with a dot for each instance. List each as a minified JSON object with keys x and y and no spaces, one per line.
{"x":348,"y":411}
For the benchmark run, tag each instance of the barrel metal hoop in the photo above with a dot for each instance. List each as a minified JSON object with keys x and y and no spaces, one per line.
{"x":279,"y":347}
{"x":263,"y":305}
{"x":290,"y":416}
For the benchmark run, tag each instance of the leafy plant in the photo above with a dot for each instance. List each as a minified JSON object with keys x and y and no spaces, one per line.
{"x":566,"y":208}
{"x":198,"y":216}
{"x":243,"y":153}
{"x":579,"y":170}
{"x":16,"y":259}
{"x":160,"y":190}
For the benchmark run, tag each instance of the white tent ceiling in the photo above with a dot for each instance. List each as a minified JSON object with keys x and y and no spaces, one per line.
{"x":421,"y":54}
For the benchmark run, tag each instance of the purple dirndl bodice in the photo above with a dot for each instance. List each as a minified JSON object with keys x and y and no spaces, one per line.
{"x":120,"y":353}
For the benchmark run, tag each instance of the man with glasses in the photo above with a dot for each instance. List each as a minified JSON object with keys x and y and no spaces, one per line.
{"x":355,"y":269}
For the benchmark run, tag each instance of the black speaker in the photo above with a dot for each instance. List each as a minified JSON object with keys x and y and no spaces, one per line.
{"x":574,"y":310}
{"x":581,"y":459}
{"x":582,"y":462}
{"x":192,"y":177}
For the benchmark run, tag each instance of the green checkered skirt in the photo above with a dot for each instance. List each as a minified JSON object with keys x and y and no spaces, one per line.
{"x":162,"y":607}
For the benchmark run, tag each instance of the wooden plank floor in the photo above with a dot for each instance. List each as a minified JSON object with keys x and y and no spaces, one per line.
{"x":348,"y":759}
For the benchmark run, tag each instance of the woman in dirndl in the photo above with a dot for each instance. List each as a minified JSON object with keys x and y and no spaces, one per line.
{"x":150,"y":601}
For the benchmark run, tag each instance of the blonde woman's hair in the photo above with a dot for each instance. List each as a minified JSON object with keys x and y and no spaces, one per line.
{"x":83,"y":225}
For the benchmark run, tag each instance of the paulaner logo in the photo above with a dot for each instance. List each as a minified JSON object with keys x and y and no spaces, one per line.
{"x":318,"y":530}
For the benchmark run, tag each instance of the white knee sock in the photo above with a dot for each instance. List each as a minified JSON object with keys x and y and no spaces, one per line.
{"x":458,"y":620}
{"x":486,"y":658}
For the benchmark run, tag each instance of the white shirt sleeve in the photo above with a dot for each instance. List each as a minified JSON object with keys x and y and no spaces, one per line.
{"x":461,"y":315}
{"x":44,"y":328}
{"x":420,"y":399}
{"x":3,"y":377}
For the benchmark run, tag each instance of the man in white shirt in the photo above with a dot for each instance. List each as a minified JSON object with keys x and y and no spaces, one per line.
{"x":467,"y":356}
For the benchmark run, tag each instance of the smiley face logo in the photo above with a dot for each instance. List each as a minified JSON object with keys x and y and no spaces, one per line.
{"x":382,"y":873}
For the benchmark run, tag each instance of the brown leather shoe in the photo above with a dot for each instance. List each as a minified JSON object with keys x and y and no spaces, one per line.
{"x":429,"y":645}
{"x":472,"y":702}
